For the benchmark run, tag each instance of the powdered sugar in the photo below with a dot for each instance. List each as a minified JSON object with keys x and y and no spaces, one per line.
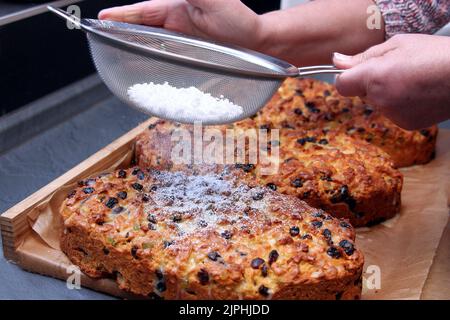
{"x":203,"y":202}
{"x":190,"y":103}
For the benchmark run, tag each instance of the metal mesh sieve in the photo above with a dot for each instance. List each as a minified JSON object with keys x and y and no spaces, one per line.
{"x":126,"y":54}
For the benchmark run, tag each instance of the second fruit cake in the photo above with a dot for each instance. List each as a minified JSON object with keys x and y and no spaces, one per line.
{"x":347,"y":177}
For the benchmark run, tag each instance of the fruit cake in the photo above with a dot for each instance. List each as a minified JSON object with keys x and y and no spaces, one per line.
{"x":336,"y":153}
{"x":195,"y":235}
{"x":332,"y":171}
{"x":312,"y":104}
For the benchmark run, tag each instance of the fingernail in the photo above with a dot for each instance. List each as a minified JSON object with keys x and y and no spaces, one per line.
{"x":103,"y":13}
{"x":340,"y":56}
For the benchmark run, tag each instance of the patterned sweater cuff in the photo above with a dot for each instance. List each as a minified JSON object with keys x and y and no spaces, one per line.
{"x":413,"y":16}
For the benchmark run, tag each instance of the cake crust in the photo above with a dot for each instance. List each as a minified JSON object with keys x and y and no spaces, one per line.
{"x":184,"y":235}
{"x":343,"y":152}
{"x":347,"y":177}
{"x":312,"y":104}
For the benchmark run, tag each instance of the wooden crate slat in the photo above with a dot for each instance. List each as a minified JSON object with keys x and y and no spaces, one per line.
{"x":14,"y":223}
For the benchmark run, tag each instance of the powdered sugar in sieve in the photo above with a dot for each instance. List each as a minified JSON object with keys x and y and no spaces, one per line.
{"x":188,"y":103}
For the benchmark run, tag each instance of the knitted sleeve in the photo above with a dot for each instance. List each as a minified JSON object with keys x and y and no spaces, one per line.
{"x":414,"y":16}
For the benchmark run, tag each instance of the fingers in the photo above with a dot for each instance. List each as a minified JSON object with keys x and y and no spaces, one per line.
{"x":130,"y":13}
{"x":147,"y":12}
{"x":343,"y":61}
{"x":361,"y":74}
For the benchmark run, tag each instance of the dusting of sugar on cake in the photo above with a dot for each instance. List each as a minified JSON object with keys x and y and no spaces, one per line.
{"x":207,"y":202}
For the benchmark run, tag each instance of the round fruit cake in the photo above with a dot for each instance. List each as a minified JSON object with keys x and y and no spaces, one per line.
{"x":313,"y":104}
{"x":191,"y":235}
{"x":347,"y":177}
{"x":338,"y":154}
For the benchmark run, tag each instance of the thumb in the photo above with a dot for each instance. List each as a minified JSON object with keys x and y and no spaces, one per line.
{"x":343,"y":61}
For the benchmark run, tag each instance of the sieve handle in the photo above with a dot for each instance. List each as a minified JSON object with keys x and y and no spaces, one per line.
{"x":306,"y":71}
{"x":64,"y":15}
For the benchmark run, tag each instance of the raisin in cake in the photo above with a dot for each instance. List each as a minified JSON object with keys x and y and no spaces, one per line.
{"x":177,"y":235}
{"x":347,"y":177}
{"x":312,"y":104}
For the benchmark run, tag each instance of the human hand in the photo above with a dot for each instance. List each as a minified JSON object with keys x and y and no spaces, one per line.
{"x":275,"y":33}
{"x":407,"y":78}
{"x":223,"y":20}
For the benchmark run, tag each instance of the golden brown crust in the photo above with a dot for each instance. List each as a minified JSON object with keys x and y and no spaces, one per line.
{"x":309,"y":103}
{"x":181,"y":235}
{"x":362,"y":148}
{"x":344,"y":176}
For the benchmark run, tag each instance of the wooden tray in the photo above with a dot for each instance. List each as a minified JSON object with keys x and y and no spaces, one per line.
{"x":14,"y":223}
{"x":23,"y":246}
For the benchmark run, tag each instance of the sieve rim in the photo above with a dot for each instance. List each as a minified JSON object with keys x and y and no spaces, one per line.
{"x":280,"y":69}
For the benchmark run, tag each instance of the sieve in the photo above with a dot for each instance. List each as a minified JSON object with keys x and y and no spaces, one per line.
{"x":127,"y":54}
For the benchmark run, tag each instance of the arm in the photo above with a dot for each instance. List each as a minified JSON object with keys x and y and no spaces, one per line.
{"x":306,"y":34}
{"x":406,"y":77}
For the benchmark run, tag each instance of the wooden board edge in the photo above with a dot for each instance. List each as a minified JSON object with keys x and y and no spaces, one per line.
{"x":28,"y":202}
{"x":13,"y":220}
{"x":9,"y":240}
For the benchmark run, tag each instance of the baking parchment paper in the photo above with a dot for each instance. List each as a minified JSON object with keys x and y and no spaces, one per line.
{"x":398,"y":253}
